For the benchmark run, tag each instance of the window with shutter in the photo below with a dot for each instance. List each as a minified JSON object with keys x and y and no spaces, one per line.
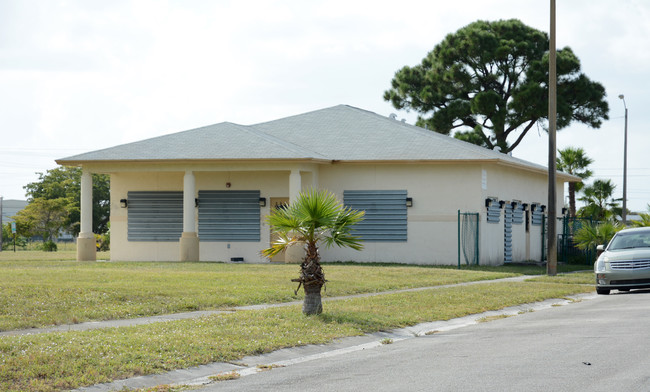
{"x":155,"y":216}
{"x":386,"y":216}
{"x":232,"y":216}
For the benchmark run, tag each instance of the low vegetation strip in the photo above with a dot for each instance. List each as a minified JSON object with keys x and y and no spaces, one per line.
{"x":43,"y":293}
{"x":586,"y":277}
{"x":59,"y":361}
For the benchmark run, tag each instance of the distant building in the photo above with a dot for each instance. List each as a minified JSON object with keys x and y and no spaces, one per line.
{"x":10,"y":208}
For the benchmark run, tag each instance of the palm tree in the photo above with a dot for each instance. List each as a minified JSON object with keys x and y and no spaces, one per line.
{"x":591,"y":235}
{"x":600,"y":204}
{"x":573,"y":160}
{"x":315,"y":216}
{"x":645,"y":219}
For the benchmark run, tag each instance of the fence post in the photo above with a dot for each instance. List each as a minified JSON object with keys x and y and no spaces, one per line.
{"x":478,"y":251}
{"x":543,"y":235}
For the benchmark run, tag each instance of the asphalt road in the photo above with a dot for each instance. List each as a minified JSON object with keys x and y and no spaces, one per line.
{"x":600,"y":344}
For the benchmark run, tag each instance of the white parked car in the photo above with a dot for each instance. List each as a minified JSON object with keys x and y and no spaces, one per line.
{"x":625,"y":262}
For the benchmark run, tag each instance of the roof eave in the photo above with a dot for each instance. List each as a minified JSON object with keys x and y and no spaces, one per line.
{"x":540,"y":170}
{"x":81,"y":162}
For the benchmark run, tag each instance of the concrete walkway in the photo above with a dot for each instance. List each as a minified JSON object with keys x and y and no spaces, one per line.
{"x":190,"y":315}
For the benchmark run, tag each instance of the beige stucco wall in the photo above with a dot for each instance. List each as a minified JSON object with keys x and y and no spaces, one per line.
{"x":510,"y":184}
{"x":121,"y":184}
{"x":438,"y":192}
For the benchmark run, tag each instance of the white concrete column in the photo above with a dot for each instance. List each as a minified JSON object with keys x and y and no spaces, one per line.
{"x":86,"y":245}
{"x":86,"y":204}
{"x":189,"y":209}
{"x":189,"y":241}
{"x":294,"y":254}
{"x":295,"y":185}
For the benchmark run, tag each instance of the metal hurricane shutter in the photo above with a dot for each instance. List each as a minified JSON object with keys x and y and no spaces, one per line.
{"x":507,"y":233}
{"x":518,"y":215}
{"x":536,"y":216}
{"x":386,"y":216}
{"x":494,"y":212}
{"x":155,"y":216}
{"x":232,"y":216}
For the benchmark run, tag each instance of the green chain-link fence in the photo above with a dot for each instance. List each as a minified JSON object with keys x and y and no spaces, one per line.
{"x":468,"y":238}
{"x":567,"y":251}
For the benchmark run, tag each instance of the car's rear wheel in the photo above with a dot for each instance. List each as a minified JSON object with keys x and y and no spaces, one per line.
{"x":602,"y":291}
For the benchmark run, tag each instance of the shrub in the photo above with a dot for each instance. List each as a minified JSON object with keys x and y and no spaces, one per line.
{"x":103,"y":242}
{"x":49,"y":246}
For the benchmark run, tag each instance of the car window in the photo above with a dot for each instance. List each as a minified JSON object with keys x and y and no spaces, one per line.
{"x":630,"y":240}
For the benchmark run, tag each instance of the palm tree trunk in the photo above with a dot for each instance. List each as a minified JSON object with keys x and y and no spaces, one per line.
{"x":313,"y":279}
{"x":312,"y":303}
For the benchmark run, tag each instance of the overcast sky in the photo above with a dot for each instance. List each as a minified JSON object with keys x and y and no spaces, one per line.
{"x":81,"y":75}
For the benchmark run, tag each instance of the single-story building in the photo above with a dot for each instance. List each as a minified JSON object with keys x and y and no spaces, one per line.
{"x":202,"y":194}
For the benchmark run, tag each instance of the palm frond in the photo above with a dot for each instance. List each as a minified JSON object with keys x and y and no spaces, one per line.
{"x":281,"y":243}
{"x":340,"y":234}
{"x":592,"y":234}
{"x":314,"y":216}
{"x":645,"y":219}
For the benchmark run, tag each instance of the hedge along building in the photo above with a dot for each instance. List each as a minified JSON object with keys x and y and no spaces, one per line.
{"x":202,"y":194}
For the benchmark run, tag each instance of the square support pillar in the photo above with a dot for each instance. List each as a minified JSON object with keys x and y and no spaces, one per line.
{"x":294,"y":254}
{"x":86,"y":244}
{"x":295,"y":185}
{"x":189,"y":241}
{"x":86,"y":248}
{"x":189,"y":245}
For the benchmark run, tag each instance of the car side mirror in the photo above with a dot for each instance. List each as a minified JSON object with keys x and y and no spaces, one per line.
{"x":600,"y":248}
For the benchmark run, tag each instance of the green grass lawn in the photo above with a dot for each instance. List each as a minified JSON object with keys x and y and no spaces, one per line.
{"x":68,"y":254}
{"x":49,"y":292}
{"x":59,"y":361}
{"x":586,"y":277}
{"x":38,"y":289}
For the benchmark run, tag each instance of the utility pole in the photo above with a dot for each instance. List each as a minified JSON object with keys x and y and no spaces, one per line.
{"x":624,"y":213}
{"x":551,"y":256}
